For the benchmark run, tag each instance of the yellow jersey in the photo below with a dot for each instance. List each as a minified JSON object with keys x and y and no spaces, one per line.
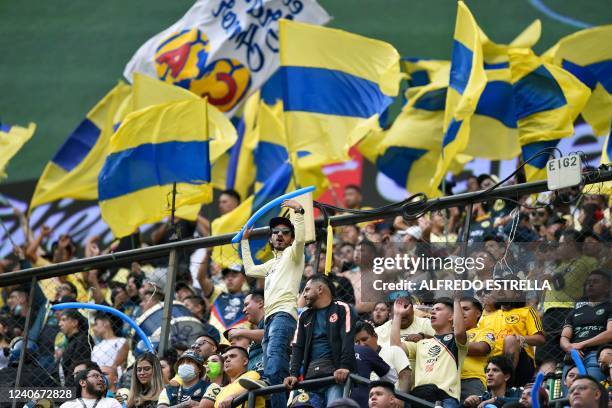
{"x":521,"y":321}
{"x":234,"y":389}
{"x":439,"y":361}
{"x":473,"y":366}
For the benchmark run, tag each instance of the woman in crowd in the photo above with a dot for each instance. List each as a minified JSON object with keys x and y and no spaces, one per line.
{"x":167,"y":365}
{"x":218,"y":379}
{"x":147,"y":382}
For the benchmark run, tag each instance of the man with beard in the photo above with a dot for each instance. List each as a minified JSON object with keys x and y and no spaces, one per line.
{"x":90,"y":392}
{"x":282,"y":281}
{"x":324,"y":341}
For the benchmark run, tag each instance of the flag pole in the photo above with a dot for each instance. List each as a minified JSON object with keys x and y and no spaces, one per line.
{"x":164,"y":340}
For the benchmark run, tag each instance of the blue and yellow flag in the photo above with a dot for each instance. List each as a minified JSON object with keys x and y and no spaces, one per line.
{"x":588,"y":56}
{"x":235,"y":170}
{"x":493,"y":127}
{"x":275,"y":174}
{"x":410,"y":149}
{"x":547,"y":100}
{"x":152,"y":149}
{"x":335,"y":87}
{"x":73,"y":171}
{"x":12,"y":138}
{"x":466,"y":82}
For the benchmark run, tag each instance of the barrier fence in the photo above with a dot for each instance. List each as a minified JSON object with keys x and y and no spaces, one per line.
{"x":118,"y":280}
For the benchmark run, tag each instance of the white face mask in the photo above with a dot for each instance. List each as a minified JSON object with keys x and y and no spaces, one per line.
{"x":187,"y":372}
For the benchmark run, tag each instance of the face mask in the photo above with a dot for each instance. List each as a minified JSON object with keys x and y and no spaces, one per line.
{"x":187,"y":372}
{"x":214,"y":369}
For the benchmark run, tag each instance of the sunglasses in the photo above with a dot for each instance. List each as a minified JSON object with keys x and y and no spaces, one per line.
{"x":284,"y":231}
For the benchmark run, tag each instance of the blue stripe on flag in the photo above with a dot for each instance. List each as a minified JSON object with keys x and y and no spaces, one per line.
{"x":77,"y":146}
{"x":536,"y":92}
{"x":272,"y":90}
{"x":5,"y":128}
{"x":461,"y":66}
{"x":499,"y":65}
{"x":603,"y":72}
{"x":331,"y":92}
{"x":235,"y":150}
{"x":419,"y":78}
{"x":532,"y":149}
{"x":583,"y":74}
{"x":151,"y":165}
{"x":496,"y":101}
{"x":268,"y":158}
{"x":451,"y":132}
{"x":432,"y":100}
{"x":396,"y":162}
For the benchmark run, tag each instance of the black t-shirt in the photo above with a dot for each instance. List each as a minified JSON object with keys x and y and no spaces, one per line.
{"x":588,"y":320}
{"x":368,"y":361}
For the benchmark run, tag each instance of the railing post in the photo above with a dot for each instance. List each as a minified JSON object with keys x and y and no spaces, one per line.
{"x":26,"y":334}
{"x":164,"y":339}
{"x":251,"y":402}
{"x":347,"y":387}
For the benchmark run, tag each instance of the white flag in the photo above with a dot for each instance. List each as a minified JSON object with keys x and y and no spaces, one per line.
{"x":222,"y":49}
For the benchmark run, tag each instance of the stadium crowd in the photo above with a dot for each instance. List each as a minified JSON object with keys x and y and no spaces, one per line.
{"x":286,"y":320}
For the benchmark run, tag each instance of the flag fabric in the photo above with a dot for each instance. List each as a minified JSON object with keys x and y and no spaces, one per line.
{"x":275,"y":174}
{"x":235,"y":169}
{"x":494,"y":118}
{"x":335,"y":87}
{"x":152,"y":149}
{"x":410,"y":149}
{"x":222,"y":50}
{"x":149,"y":91}
{"x":12,"y":138}
{"x":73,"y":170}
{"x":588,"y":56}
{"x":466,"y":82}
{"x":547,"y":100}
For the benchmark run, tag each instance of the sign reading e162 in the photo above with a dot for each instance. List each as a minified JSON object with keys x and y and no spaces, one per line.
{"x":563,"y":172}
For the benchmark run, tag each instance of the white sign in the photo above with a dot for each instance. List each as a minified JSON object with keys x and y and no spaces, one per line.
{"x":563,"y":172}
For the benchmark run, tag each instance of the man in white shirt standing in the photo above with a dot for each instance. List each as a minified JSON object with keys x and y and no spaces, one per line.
{"x":282,"y":276}
{"x":90,"y":392}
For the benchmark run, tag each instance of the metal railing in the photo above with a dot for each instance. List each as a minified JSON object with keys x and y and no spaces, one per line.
{"x":157,"y":251}
{"x":318,"y":383}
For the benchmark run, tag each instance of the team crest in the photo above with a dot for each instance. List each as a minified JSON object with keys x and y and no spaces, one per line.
{"x":448,"y":337}
{"x":333,"y":318}
{"x":499,"y":205}
{"x":599,"y":312}
{"x":490,"y":336}
{"x":183,"y":60}
{"x":485,"y":224}
{"x":512,"y":319}
{"x":434,"y":351}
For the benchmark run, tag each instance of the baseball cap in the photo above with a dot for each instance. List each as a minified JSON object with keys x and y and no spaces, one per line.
{"x":190,"y":355}
{"x":276,"y":221}
{"x":233,"y":268}
{"x":413,"y":230}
